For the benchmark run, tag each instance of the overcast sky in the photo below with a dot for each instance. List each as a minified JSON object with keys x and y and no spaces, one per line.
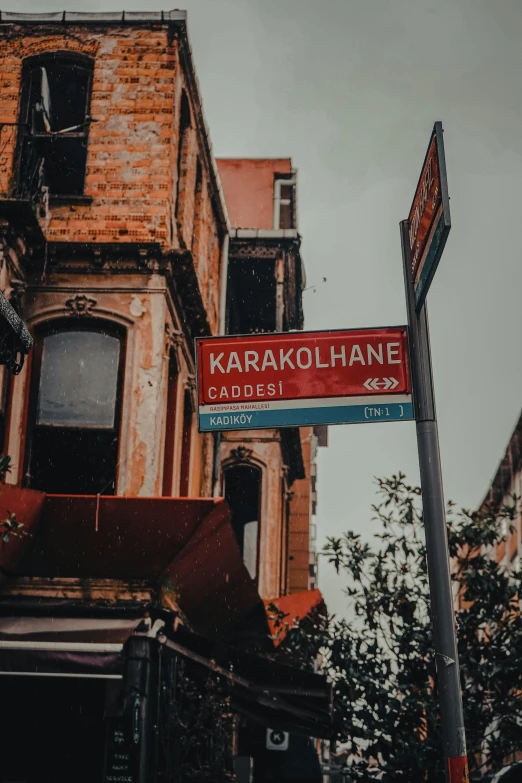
{"x":350,"y":90}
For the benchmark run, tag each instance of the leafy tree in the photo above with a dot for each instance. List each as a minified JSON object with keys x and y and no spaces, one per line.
{"x":381,"y":660}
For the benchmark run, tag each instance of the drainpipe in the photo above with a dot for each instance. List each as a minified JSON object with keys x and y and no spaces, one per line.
{"x":223,"y":328}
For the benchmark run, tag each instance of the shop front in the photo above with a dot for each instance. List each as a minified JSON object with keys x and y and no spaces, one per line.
{"x":127,"y":697}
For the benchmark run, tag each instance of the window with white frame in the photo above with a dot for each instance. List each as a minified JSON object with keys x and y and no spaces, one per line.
{"x":74,"y":411}
{"x":284,"y":201}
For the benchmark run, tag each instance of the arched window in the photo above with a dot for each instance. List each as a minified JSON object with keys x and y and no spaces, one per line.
{"x":56,"y":93}
{"x":73,"y":428}
{"x":243,"y":495}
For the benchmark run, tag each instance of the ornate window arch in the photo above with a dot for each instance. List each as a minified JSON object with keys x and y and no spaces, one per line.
{"x":242,"y":488}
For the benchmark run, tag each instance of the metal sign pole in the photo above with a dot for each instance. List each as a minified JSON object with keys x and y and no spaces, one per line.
{"x":445,"y":642}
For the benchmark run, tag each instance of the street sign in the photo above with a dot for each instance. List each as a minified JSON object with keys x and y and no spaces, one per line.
{"x":296,"y":379}
{"x":276,"y":739}
{"x":429,"y":218}
{"x":423,"y":236}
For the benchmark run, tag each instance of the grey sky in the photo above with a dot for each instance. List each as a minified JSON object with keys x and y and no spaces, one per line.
{"x":350,"y":90}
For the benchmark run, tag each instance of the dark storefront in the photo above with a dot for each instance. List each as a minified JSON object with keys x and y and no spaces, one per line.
{"x":107,"y":698}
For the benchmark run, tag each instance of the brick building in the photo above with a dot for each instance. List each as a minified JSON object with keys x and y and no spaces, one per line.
{"x":117,"y":249}
{"x":265,"y":281}
{"x":119,"y":197}
{"x":506,"y":483}
{"x":505,"y":487}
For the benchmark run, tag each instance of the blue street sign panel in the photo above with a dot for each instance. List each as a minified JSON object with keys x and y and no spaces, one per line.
{"x":302,"y":413}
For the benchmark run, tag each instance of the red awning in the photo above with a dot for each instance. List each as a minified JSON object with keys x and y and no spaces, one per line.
{"x":296,"y":606}
{"x":185,"y":547}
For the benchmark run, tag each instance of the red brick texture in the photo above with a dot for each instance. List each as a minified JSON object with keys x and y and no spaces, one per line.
{"x":132,"y":162}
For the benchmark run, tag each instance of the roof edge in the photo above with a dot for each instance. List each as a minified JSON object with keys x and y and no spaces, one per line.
{"x":107,"y":17}
{"x":508,"y":467}
{"x":264,"y":233}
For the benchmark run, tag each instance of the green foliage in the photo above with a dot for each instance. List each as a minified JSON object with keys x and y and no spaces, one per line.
{"x":203,"y":729}
{"x":381,"y":659}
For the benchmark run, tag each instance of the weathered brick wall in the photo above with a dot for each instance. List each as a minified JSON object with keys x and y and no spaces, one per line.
{"x":131,"y":154}
{"x":133,"y":144}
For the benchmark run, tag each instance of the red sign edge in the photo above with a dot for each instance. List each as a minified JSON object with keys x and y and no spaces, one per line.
{"x":199,"y":340}
{"x":438,"y":133}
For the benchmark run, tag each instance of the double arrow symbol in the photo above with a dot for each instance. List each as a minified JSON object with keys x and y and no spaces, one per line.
{"x":374,"y":384}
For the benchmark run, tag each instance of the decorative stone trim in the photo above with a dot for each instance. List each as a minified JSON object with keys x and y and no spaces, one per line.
{"x":173,"y":338}
{"x":241,"y":454}
{"x":80,"y":305}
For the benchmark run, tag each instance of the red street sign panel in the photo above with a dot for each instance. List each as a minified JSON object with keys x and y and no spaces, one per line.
{"x":429,"y":217}
{"x":303,"y":378}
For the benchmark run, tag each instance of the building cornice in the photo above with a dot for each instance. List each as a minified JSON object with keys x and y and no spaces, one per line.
{"x":92,"y":17}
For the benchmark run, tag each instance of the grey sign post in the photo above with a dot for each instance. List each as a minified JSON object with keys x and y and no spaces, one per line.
{"x":443,"y":617}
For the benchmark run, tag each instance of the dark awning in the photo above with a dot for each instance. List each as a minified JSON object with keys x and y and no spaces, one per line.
{"x":184,"y":547}
{"x":273,"y":694}
{"x":66,"y":647}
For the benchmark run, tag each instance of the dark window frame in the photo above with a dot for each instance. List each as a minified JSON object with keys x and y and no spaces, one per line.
{"x":29,"y":65}
{"x":243,"y":275}
{"x":57,"y":326}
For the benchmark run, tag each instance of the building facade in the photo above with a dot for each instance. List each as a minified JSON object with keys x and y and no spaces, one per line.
{"x":117,"y":250}
{"x":102,"y":132}
{"x":265,"y":279}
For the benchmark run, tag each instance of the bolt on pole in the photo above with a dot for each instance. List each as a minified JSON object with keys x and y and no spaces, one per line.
{"x":443,"y":616}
